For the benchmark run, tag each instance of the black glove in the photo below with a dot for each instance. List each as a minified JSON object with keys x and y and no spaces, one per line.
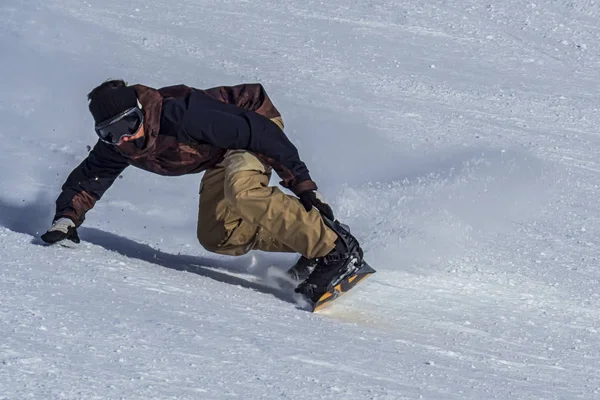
{"x":312,"y":198}
{"x":61,"y":229}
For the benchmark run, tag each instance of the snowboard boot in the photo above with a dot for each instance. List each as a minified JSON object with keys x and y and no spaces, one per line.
{"x":344,"y":259}
{"x":302,"y":269}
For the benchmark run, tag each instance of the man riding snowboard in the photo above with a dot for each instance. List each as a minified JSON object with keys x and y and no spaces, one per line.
{"x":234,"y":134}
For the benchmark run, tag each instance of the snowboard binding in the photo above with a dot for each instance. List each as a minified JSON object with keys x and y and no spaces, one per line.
{"x":326,"y":278}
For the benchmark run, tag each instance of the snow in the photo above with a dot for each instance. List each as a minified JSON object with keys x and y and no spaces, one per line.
{"x":457,"y":139}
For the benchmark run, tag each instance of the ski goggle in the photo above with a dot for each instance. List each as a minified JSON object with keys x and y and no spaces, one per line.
{"x":126,"y":124}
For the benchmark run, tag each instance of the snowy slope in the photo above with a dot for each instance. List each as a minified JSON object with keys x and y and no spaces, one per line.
{"x":457,"y":139}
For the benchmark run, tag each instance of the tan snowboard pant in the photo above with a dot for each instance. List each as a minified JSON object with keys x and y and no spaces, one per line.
{"x":240,"y":212}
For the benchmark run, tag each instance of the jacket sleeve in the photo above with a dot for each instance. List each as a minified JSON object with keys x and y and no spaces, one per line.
{"x":228,"y":126}
{"x":88,"y":181}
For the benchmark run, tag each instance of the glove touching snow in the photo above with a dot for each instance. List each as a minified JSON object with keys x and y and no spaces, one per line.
{"x":61,"y":229}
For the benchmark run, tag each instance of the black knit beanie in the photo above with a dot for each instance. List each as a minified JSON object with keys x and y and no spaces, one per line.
{"x":110,"y":103}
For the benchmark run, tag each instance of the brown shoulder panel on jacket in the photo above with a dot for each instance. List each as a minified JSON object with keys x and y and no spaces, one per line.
{"x":251,"y":96}
{"x":175,"y":91}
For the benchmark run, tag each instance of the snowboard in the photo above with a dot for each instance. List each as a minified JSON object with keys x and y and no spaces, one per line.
{"x":343,"y":285}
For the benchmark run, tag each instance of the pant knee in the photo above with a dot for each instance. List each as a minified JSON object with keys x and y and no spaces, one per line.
{"x":226,"y":246}
{"x":208,"y":240}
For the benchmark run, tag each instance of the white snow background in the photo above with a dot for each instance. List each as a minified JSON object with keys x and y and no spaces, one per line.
{"x":458,"y":139}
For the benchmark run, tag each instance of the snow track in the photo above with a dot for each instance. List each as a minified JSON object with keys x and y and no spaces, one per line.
{"x":459,"y":142}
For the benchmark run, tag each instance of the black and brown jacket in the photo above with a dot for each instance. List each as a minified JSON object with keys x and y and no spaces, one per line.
{"x":187,"y":131}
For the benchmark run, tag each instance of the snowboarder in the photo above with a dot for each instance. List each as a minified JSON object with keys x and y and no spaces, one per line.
{"x":235,"y":135}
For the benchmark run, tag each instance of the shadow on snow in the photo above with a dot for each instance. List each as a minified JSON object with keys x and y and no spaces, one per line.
{"x":32,"y":218}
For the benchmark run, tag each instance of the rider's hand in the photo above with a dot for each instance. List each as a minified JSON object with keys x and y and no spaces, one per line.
{"x":312,"y":198}
{"x":61,"y":229}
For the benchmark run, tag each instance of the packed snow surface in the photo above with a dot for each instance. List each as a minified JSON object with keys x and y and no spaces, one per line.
{"x":458,"y":140}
